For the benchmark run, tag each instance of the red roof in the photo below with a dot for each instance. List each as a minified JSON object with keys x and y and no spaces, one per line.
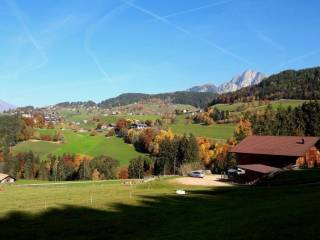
{"x":275,"y":145}
{"x":260,"y":168}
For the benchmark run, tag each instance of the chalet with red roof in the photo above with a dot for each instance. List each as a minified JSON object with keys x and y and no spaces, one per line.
{"x":261,"y":155}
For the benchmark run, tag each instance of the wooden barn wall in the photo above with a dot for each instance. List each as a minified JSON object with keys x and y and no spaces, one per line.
{"x":270,"y":160}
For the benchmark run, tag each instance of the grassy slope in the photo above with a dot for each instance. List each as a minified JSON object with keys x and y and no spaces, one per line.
{"x":252,"y":106}
{"x":216,"y":131}
{"x":154,"y":113}
{"x":83,"y":144}
{"x":300,"y":176}
{"x":40,"y":148}
{"x":113,"y":119}
{"x":152,"y":211}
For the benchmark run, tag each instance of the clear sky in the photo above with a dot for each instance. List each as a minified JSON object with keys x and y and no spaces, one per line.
{"x":53,"y":51}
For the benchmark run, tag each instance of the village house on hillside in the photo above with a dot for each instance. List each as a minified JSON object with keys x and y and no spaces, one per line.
{"x":4,"y":178}
{"x":139,"y":125}
{"x":261,"y":155}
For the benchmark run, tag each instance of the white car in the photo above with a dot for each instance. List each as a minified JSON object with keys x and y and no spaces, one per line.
{"x":197,"y":174}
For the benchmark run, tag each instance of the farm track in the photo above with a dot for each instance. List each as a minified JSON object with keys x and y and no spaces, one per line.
{"x":123,"y":181}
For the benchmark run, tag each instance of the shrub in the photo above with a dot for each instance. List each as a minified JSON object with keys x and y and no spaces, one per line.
{"x":123,"y":173}
{"x":135,"y":169}
{"x":188,"y":167}
{"x":110,"y":133}
{"x":46,"y":138}
{"x":57,"y":137}
{"x":93,"y":133}
{"x":106,"y":166}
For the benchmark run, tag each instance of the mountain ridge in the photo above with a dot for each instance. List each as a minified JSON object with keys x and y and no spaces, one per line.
{"x":288,"y":84}
{"x":4,"y":106}
{"x":245,"y":79}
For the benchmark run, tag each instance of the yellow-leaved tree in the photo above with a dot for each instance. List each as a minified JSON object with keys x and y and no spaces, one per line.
{"x":163,"y":134}
{"x":206,"y":150}
{"x":243,"y":129}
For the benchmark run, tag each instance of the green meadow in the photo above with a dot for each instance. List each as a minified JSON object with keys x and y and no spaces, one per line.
{"x":112,"y":210}
{"x":114,"y":118}
{"x":83,"y":144}
{"x":240,"y":107}
{"x":214,"y":131}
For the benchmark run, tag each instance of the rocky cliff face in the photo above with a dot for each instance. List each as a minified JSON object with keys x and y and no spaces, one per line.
{"x":247,"y":78}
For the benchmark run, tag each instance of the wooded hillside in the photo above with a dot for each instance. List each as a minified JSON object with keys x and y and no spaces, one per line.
{"x":289,"y":84}
{"x":197,"y":99}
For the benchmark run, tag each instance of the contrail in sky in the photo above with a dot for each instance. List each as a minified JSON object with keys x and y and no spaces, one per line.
{"x":187,"y":32}
{"x":270,"y":41}
{"x":89,"y":34}
{"x":18,"y":14}
{"x":298,"y":58}
{"x":197,"y":9}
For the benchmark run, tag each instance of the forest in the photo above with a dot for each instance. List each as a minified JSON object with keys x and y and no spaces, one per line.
{"x":300,"y":121}
{"x":196,"y":99}
{"x":289,"y":84}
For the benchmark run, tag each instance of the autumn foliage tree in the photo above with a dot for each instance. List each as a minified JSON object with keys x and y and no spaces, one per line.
{"x":154,"y":146}
{"x":222,"y":159}
{"x":243,"y":129}
{"x":206,"y":150}
{"x":121,"y":123}
{"x":203,"y":118}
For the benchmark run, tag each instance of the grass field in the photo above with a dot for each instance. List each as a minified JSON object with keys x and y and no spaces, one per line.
{"x":215,"y":131}
{"x":111,"y":210}
{"x":83,"y":114}
{"x":42,"y":149}
{"x":114,"y":118}
{"x":239,"y":107}
{"x":83,"y":144}
{"x":305,"y":176}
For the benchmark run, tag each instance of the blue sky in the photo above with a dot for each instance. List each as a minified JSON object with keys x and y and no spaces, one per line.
{"x":53,"y":51}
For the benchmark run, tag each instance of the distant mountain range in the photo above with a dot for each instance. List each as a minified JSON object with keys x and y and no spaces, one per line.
{"x":4,"y":106}
{"x":196,"y":99}
{"x":246,"y":79}
{"x":209,"y":87}
{"x":289,"y":84}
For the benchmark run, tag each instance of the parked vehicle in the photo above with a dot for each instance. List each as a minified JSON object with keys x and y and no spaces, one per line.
{"x":196,"y":174}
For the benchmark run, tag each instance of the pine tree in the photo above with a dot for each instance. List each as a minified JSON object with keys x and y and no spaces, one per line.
{"x":43,"y":171}
{"x":28,"y":166}
{"x":53,"y":168}
{"x":84,"y":171}
{"x":61,"y":170}
{"x":136,"y":168}
{"x":168,"y":152}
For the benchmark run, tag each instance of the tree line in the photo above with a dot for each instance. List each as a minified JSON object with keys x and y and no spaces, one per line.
{"x":303,"y":120}
{"x":212,"y":115}
{"x":59,"y":168}
{"x":13,"y":129}
{"x":197,"y":99}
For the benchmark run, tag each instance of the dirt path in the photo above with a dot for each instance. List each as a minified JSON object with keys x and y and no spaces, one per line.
{"x":208,"y":180}
{"x":36,"y":140}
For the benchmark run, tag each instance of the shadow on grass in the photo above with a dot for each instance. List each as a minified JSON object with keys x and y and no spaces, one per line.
{"x":241,"y":213}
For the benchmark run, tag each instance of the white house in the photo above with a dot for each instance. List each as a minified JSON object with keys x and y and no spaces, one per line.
{"x":104,"y":126}
{"x":139,"y":126}
{"x":4,"y":178}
